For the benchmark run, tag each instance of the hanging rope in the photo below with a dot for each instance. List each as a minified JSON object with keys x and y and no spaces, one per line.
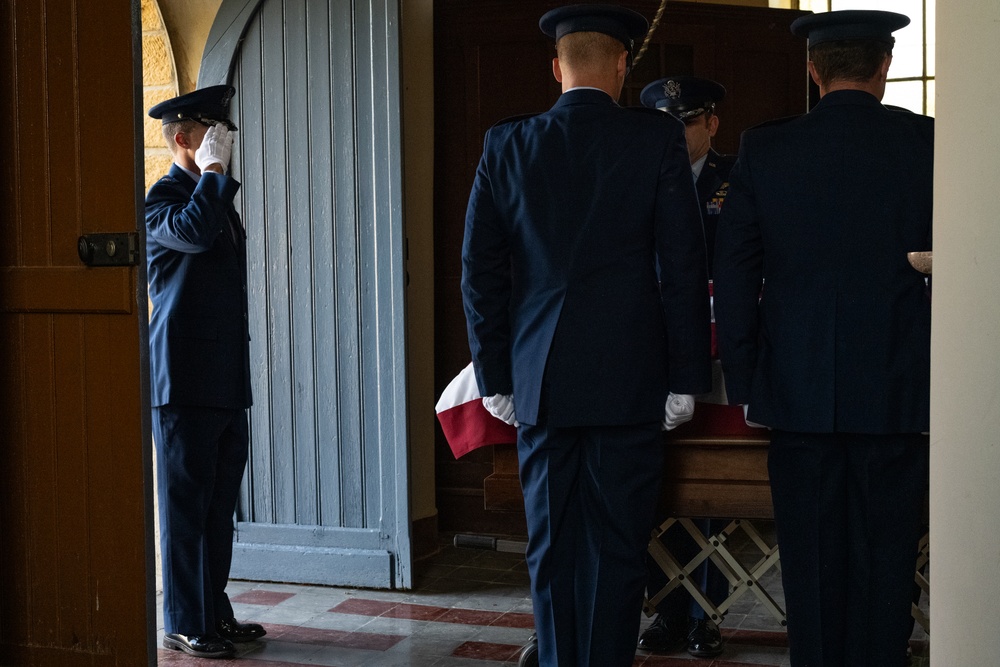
{"x":649,"y":33}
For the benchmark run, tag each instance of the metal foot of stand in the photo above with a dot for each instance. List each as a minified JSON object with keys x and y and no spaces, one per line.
{"x":529,"y":654}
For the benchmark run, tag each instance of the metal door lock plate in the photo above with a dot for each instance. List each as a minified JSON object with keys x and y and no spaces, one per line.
{"x":109,"y":249}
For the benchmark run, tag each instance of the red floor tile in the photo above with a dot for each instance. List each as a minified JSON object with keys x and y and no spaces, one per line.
{"x":487,"y":651}
{"x":513,"y":619}
{"x":469,"y":617}
{"x":416,"y":612}
{"x":420,"y":612}
{"x":363,"y":607}
{"x":505,"y":652}
{"x":339,"y":638}
{"x":179,"y":659}
{"x":667,"y":661}
{"x":266,"y":598}
{"x":756,"y":638}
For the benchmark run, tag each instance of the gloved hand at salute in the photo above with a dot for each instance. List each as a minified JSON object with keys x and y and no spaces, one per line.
{"x":216,"y":148}
{"x":502,"y":407}
{"x":679,"y":409}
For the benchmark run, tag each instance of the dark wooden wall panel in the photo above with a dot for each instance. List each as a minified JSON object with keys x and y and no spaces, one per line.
{"x":492,"y":62}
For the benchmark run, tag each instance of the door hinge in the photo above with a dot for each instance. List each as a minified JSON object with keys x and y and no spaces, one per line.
{"x":109,"y":249}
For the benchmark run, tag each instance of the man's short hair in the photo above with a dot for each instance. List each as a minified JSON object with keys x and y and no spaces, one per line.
{"x":849,"y":60}
{"x":584,"y":50}
{"x":177,"y":127}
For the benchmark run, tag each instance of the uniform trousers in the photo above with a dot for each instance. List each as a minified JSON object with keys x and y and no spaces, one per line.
{"x":848,"y":511}
{"x":201,"y":456}
{"x":590,"y":495}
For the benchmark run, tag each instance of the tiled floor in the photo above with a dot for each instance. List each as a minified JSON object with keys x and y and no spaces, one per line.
{"x":468,"y":609}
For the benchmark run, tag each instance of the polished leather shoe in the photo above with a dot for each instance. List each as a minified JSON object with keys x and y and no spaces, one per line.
{"x":200,"y":646}
{"x":235,"y":631}
{"x":665,"y":634}
{"x":705,"y":640}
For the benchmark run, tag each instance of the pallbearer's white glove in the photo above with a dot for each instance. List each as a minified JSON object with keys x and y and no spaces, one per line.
{"x":679,"y":409}
{"x":501,"y":406}
{"x":746,"y":408}
{"x":216,"y":148}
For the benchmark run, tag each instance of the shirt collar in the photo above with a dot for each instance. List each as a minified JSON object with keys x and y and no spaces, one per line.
{"x":698,"y":166}
{"x":194,"y":177}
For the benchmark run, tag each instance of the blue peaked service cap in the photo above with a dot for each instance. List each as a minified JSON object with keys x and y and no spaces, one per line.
{"x":207,"y":106}
{"x":849,"y":24}
{"x":682,"y":97}
{"x":623,"y":24}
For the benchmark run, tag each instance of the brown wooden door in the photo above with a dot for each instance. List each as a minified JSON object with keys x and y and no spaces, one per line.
{"x":76,"y":574}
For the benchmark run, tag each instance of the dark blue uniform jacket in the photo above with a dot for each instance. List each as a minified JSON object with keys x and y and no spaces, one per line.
{"x":570,"y":214}
{"x":196,"y":256}
{"x":821,"y":212}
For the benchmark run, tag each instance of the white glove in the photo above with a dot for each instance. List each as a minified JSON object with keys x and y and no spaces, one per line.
{"x":746,"y":408}
{"x":501,"y":406}
{"x":679,"y":409}
{"x":216,"y":148}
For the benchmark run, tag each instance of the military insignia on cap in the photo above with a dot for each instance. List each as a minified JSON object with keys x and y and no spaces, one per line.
{"x":672,"y":89}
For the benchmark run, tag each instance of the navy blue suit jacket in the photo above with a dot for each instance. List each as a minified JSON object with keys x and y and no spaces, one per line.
{"x":821,"y":212}
{"x":570,"y":215}
{"x":196,"y":257}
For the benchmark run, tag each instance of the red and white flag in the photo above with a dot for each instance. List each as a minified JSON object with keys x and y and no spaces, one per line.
{"x":467,"y":425}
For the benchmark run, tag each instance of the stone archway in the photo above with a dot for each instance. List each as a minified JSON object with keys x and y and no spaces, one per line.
{"x":159,"y":82}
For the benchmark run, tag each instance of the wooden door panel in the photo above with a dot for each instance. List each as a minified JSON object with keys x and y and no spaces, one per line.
{"x":76,"y":582}
{"x":325,"y":497}
{"x":72,"y":575}
{"x":67,"y":289}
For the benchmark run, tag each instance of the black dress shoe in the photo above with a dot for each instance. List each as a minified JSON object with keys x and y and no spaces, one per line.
{"x":664,"y":635}
{"x":200,"y":646}
{"x":705,"y":640}
{"x":235,"y":631}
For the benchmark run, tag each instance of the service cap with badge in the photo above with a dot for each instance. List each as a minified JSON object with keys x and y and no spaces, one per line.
{"x":683,"y":97}
{"x":623,"y":24}
{"x":848,"y":24}
{"x":208,"y":106}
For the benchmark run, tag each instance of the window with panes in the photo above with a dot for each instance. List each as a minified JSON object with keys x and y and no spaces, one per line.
{"x":911,"y":75}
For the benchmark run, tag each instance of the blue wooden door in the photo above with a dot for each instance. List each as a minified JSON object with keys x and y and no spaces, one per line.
{"x":325,"y":498}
